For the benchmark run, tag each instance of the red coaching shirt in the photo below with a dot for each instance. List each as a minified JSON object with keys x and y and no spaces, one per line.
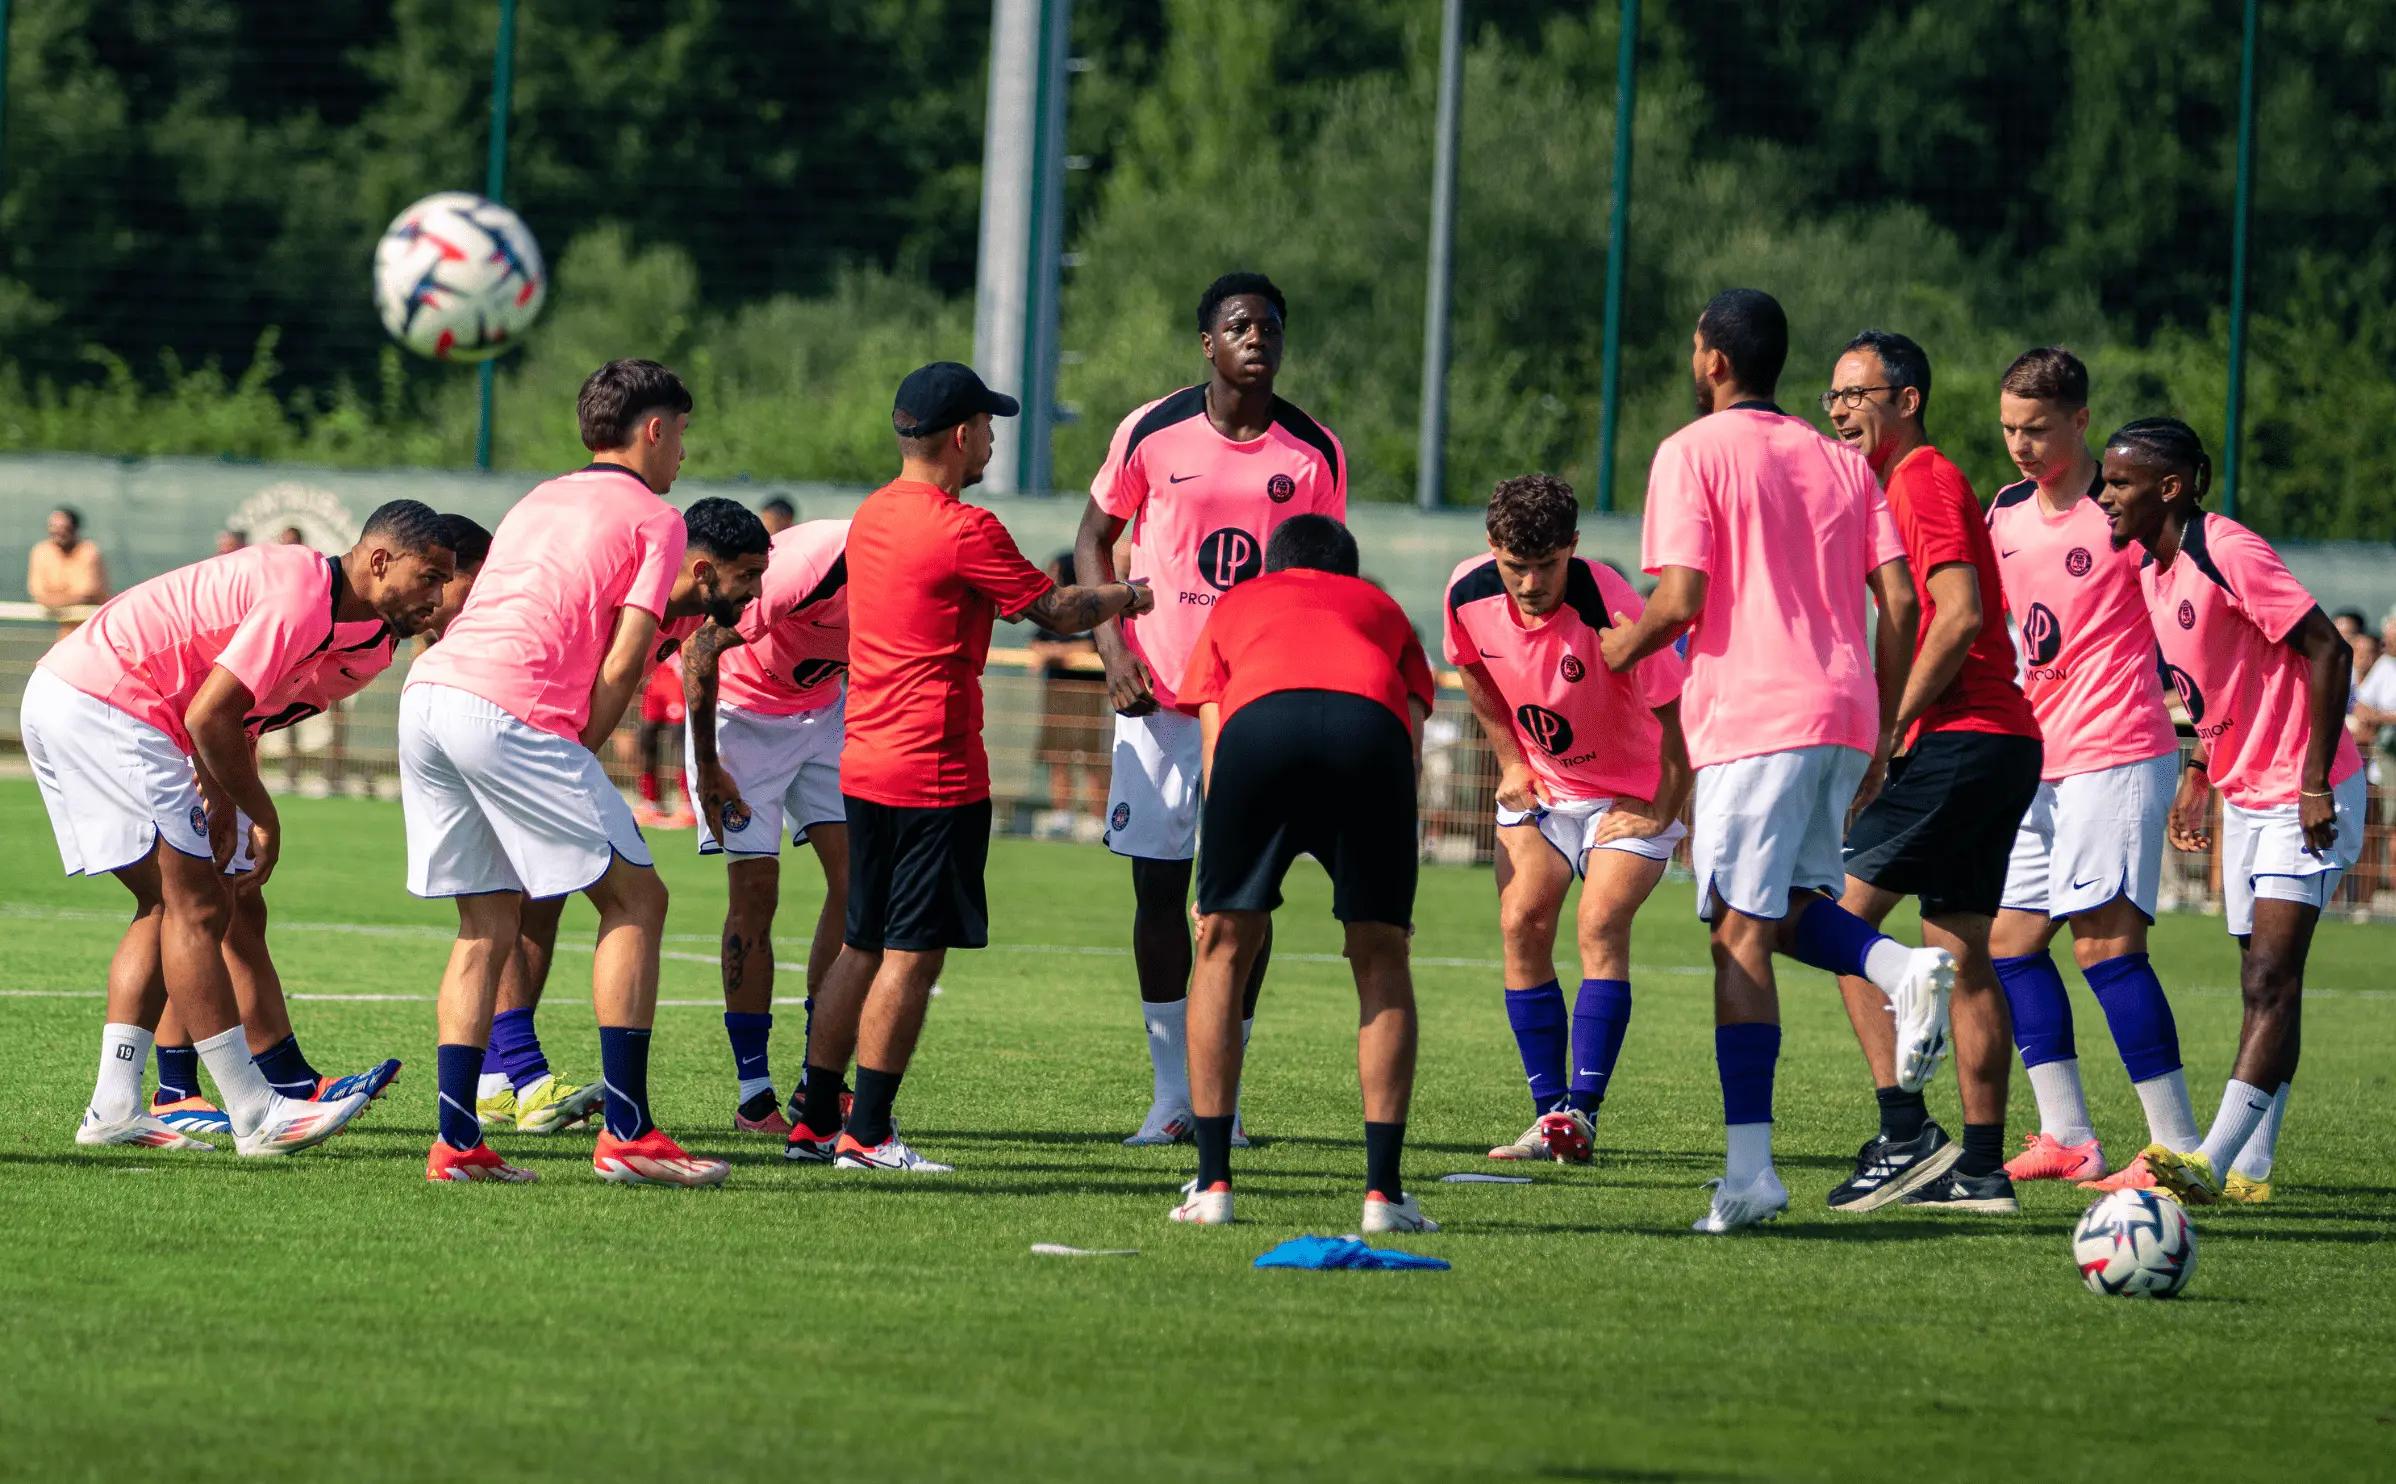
{"x":1939,"y":519}
{"x":927,"y":575}
{"x":1300,"y":629}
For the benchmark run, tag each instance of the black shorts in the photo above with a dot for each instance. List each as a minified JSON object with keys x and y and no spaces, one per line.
{"x":1311,"y":772}
{"x":1942,"y":829}
{"x":915,"y":876}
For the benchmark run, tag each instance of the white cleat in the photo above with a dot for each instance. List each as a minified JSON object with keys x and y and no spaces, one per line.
{"x":141,"y":1128}
{"x":1531,"y":1145}
{"x":1402,"y":1215}
{"x":1208,"y":1207}
{"x":1756,"y":1202}
{"x":891,"y":1154}
{"x":291,"y":1125}
{"x":1920,"y":1005}
{"x":1167,"y":1123}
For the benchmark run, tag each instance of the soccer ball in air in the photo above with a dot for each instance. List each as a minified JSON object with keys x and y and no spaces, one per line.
{"x":2135,"y":1244}
{"x":458,"y":277}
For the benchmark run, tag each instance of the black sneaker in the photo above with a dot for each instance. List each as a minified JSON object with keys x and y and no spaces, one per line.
{"x":1885,"y":1170}
{"x":1957,"y":1191}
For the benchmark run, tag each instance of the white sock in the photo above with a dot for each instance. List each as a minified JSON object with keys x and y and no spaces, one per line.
{"x":1750,"y":1152}
{"x":1169,"y":1049}
{"x":2242,"y":1108}
{"x":226,"y":1055}
{"x":2062,"y":1107}
{"x":2170,"y":1120}
{"x":751,"y":1086}
{"x":1885,"y":964}
{"x":2254,"y":1161}
{"x":124,"y":1051}
{"x":492,"y":1084}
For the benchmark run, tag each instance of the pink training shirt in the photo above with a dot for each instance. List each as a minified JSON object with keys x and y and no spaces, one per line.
{"x":261,"y":613}
{"x":797,"y":630}
{"x":2223,"y":611}
{"x":2088,"y":657}
{"x":1786,"y":524}
{"x":571,"y":555}
{"x":1202,"y":507}
{"x":1587,"y":732}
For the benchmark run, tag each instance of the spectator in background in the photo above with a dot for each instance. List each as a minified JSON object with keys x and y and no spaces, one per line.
{"x":1076,"y":724}
{"x":228,"y":542}
{"x":779,"y":515}
{"x":65,"y":570}
{"x":290,"y":536}
{"x":2371,"y":717}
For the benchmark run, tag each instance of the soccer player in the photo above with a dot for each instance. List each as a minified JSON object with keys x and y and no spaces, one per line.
{"x":136,"y":727}
{"x":1592,"y":776}
{"x":505,"y":799}
{"x":1310,"y":686}
{"x":1942,"y":828}
{"x":927,"y":573}
{"x":1202,"y":478}
{"x":768,"y":756}
{"x":1765,"y":535}
{"x":2263,"y":676}
{"x":2090,"y":851}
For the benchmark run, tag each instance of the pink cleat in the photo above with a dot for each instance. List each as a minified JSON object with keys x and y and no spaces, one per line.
{"x":2044,"y":1157}
{"x":2132,"y":1176}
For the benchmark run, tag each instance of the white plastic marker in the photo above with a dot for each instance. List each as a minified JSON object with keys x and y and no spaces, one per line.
{"x":1055,"y":1249}
{"x":1476,"y":1178}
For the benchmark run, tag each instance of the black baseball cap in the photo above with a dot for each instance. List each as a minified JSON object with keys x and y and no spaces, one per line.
{"x":937,"y":397}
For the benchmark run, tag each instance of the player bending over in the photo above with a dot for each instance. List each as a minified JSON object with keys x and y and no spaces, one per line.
{"x":764,"y":697}
{"x":1310,"y":686}
{"x":2090,"y":851}
{"x":2263,"y":676}
{"x":1765,"y":534}
{"x":1592,"y":776}
{"x":504,"y":797}
{"x":1202,"y":477}
{"x":137,"y":727}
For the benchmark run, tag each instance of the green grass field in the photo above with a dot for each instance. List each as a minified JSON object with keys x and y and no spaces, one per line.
{"x":196,"y":1317}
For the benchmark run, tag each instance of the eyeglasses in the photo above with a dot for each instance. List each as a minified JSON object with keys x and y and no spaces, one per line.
{"x":1849,"y":396}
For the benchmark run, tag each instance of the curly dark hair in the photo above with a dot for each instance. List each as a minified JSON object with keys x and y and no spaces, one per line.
{"x":1533,"y":515}
{"x":1231,"y":286}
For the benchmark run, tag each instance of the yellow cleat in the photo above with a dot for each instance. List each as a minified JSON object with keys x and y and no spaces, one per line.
{"x":2187,"y":1178}
{"x":553,"y":1104}
{"x":2238,"y":1190}
{"x":498,"y":1110}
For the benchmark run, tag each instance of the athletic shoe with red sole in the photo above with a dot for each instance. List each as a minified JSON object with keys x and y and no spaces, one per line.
{"x":2132,"y":1176}
{"x":1208,"y":1207}
{"x":891,"y":1154}
{"x":482,"y":1162}
{"x":2045,"y":1157}
{"x":809,"y":1147}
{"x":1570,"y":1137}
{"x":653,"y":1159}
{"x":373,"y":1082}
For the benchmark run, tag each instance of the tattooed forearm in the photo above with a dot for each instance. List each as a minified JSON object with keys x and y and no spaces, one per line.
{"x":699,"y":658}
{"x":1077,"y":610}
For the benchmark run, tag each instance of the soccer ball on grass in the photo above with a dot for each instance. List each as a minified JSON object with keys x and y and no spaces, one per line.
{"x":2135,"y":1244}
{"x":458,"y":277}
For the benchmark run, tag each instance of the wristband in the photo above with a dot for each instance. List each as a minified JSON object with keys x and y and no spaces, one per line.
{"x":2197,"y":763}
{"x":2306,"y":793}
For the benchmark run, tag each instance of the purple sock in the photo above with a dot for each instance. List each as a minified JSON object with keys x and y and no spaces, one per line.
{"x":1601,"y":1015}
{"x":458,"y":1067}
{"x":2042,"y":1010}
{"x":1833,"y":939}
{"x":519,"y":1047}
{"x":1543,"y":1034}
{"x":1745,"y":1056}
{"x":2132,"y":999}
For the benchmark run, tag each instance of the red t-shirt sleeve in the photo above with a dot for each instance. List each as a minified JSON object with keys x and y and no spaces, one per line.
{"x":1206,"y":677}
{"x":990,"y":564}
{"x":2260,"y":583}
{"x":1930,"y":502}
{"x":1414,"y":667}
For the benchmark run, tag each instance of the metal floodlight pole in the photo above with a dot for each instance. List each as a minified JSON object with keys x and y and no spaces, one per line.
{"x":503,"y":85}
{"x":2232,"y":443}
{"x":1431,"y":447}
{"x":1022,"y":233}
{"x":1618,"y":231}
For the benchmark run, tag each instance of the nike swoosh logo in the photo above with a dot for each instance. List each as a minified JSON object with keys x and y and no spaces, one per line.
{"x":1485,"y":654}
{"x":2015,"y":552}
{"x":1179,"y":478}
{"x":2083,"y":885}
{"x":1585,"y":1072}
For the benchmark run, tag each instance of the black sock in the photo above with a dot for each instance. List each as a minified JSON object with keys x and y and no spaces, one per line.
{"x":1983,"y":1149}
{"x":1214,"y":1149}
{"x":819,"y":1099}
{"x":869,"y":1115}
{"x":1383,"y":1144}
{"x":1902,"y":1114}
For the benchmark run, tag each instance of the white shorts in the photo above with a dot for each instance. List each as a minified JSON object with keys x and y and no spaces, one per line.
{"x":112,"y":784}
{"x":2092,"y":837}
{"x":788,"y":769}
{"x":2263,"y":855}
{"x":1153,"y":798}
{"x":1772,"y":824}
{"x":1571,"y":826}
{"x":495,"y":805}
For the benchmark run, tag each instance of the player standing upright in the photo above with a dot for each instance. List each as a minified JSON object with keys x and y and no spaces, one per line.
{"x":1941,"y":830}
{"x":766,"y":758}
{"x":1765,"y":536}
{"x":1202,"y":477}
{"x":505,"y":799}
{"x":2263,"y":676}
{"x":1592,"y":776}
{"x":2090,"y":851}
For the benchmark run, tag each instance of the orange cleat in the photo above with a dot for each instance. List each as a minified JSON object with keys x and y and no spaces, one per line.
{"x":653,"y":1159}
{"x":2132,"y":1176}
{"x":2044,"y":1157}
{"x":481,"y":1162}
